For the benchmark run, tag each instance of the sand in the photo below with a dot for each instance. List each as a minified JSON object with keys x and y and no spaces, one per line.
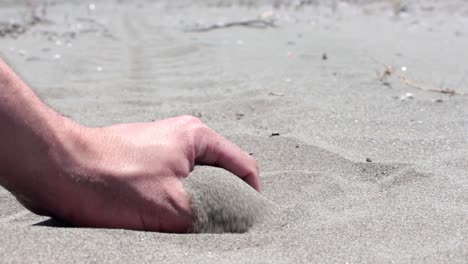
{"x":223,"y":203}
{"x":369,"y":159}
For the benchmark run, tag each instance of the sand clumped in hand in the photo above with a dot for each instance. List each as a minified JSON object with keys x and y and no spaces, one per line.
{"x":221,"y":202}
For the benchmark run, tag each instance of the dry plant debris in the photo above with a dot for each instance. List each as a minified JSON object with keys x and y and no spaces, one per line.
{"x":389,"y":71}
{"x":252,"y":23}
{"x":15,"y":29}
{"x":275,"y":94}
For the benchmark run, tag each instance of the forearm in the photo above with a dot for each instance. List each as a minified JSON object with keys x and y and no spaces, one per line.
{"x":122,"y":176}
{"x":29,"y":135}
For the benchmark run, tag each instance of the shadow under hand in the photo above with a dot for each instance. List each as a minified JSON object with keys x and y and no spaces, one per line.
{"x":53,"y":222}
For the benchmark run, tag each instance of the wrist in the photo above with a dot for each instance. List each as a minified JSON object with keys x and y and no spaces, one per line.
{"x":45,"y":159}
{"x":38,"y":147}
{"x":66,"y":163}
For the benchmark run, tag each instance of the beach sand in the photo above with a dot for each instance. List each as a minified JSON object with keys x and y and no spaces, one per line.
{"x":356,"y":111}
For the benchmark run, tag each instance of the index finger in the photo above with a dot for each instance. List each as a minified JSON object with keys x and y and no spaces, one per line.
{"x":215,"y":150}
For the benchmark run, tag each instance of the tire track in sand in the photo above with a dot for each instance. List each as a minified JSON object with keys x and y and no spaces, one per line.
{"x":156,"y":56}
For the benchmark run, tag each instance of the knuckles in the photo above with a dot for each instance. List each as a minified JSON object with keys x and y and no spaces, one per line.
{"x":191,"y":127}
{"x":189,"y":120}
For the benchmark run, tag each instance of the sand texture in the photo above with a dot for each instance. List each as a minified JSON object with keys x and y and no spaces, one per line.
{"x":223,"y":203}
{"x":357,"y":112}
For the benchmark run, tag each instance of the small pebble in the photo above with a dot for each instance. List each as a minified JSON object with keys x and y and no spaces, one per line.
{"x":368,"y":159}
{"x":324,"y":56}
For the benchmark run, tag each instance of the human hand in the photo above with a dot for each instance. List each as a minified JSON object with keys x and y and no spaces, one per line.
{"x":131,"y":175}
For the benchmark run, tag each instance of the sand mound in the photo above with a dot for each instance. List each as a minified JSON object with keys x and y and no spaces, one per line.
{"x":221,"y":202}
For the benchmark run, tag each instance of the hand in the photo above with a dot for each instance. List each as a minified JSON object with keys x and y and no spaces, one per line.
{"x":131,"y":175}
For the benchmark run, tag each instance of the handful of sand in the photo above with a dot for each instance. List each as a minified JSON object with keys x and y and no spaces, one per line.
{"x":221,"y":202}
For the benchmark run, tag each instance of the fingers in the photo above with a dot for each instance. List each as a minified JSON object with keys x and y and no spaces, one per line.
{"x":214,"y":150}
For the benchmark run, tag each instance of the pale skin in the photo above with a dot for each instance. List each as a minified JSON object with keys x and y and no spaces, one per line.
{"x":122,"y":176}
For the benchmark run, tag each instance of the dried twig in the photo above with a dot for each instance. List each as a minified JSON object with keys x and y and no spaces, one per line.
{"x":389,"y":71}
{"x":413,"y":84}
{"x":275,"y":94}
{"x":253,"y":23}
{"x":384,"y":75}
